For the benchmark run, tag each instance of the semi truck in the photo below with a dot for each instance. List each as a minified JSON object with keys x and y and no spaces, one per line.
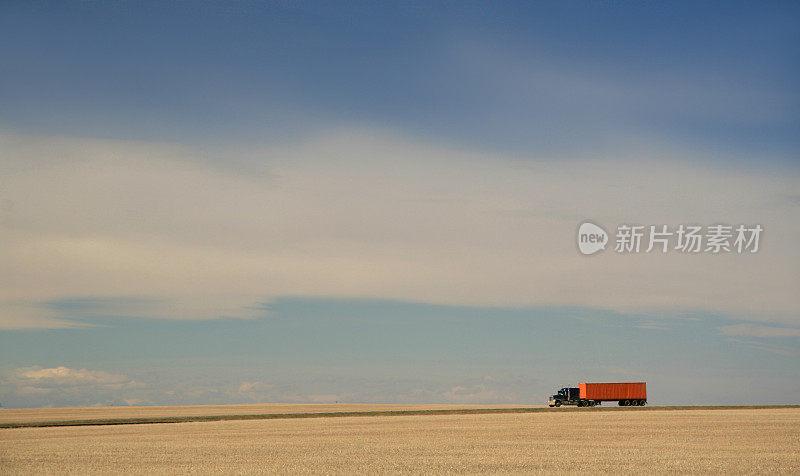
{"x":627,"y":394}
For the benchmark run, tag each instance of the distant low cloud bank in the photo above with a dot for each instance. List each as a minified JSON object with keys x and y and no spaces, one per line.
{"x":65,"y":376}
{"x":37,"y":386}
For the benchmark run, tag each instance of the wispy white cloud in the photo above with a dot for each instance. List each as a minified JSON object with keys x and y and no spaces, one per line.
{"x":254,"y":388}
{"x":250,"y":386}
{"x":759,"y":330}
{"x":765,"y":346}
{"x":653,"y":325}
{"x":167,"y":231}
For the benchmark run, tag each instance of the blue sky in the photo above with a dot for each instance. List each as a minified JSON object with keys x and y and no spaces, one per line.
{"x":400,"y":352}
{"x":252,"y":202}
{"x":561,"y":78}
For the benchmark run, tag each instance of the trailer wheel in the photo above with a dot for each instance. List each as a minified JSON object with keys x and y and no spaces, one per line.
{"x":623,"y":403}
{"x":642,"y":403}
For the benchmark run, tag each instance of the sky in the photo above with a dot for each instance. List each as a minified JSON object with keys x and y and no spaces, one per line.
{"x":238,"y":202}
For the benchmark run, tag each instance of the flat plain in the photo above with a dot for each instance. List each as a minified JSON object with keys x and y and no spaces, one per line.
{"x":732,"y":441}
{"x":29,"y":415}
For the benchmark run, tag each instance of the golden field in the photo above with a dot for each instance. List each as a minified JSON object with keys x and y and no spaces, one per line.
{"x":23,"y":415}
{"x":705,"y":441}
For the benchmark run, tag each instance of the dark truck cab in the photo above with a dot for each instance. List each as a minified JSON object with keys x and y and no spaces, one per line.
{"x":566,"y":396}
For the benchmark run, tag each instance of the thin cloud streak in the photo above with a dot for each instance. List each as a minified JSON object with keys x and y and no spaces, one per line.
{"x":757,"y":330}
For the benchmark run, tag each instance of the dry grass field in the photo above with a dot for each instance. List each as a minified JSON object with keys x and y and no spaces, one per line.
{"x":698,"y":441}
{"x":24,"y":415}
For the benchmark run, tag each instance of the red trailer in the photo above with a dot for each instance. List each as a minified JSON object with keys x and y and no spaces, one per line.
{"x":591,"y":394}
{"x":626,"y":393}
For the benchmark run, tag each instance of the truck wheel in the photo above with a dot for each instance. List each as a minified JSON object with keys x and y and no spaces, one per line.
{"x":623,"y":403}
{"x":558,"y":403}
